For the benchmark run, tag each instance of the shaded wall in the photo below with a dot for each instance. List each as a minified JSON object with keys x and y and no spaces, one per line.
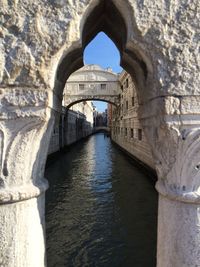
{"x":71,"y":127}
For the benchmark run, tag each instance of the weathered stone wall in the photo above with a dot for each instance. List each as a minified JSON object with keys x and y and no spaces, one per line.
{"x":126,"y":128}
{"x":86,"y":108}
{"x":36,"y":34}
{"x":72,"y":126}
{"x":77,"y":127}
{"x":54,"y":144}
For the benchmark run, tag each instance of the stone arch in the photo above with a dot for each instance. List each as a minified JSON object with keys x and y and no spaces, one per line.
{"x":116,"y":20}
{"x":160,"y":111}
{"x":89,"y":99}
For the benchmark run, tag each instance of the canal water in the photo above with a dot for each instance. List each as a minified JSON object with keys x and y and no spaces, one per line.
{"x":101,"y":210}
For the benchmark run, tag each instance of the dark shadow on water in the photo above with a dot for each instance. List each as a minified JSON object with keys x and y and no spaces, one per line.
{"x":101,"y":210}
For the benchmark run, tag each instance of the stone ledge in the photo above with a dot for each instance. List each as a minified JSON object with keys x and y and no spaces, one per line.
{"x":177,"y":194}
{"x":170,"y":106}
{"x":23,"y":192}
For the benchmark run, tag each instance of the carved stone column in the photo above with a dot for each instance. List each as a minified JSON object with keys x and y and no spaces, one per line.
{"x":25,"y":129}
{"x":172,"y":126}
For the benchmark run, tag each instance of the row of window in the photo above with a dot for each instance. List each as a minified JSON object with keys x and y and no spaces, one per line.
{"x":127,"y":104}
{"x":82,"y":86}
{"x":126,"y":84}
{"x":132,"y":102}
{"x":138,"y":132}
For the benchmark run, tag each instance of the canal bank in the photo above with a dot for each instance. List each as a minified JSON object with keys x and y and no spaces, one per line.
{"x":101,"y":209}
{"x":147,"y":170}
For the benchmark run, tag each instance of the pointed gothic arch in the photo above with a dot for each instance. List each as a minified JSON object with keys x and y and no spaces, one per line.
{"x":115,"y":21}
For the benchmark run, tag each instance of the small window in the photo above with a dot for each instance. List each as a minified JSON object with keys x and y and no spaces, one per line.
{"x":81,"y":86}
{"x":127,"y":83}
{"x":103,"y":86}
{"x":133,"y":101}
{"x":140,"y":134}
{"x":126,"y":131}
{"x":126,"y":104}
{"x":131,"y":132}
{"x":122,"y":87}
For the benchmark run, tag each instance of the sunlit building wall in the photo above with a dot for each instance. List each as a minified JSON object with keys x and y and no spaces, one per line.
{"x":127,"y":131}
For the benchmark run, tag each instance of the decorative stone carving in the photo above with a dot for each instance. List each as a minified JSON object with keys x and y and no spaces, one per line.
{"x":174,"y":136}
{"x":181,"y":166}
{"x":24,"y":120}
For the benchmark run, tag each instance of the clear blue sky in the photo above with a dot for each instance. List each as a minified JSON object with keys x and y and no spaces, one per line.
{"x":102,"y":51}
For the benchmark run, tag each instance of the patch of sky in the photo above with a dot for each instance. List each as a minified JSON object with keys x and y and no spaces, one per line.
{"x":103,"y":52}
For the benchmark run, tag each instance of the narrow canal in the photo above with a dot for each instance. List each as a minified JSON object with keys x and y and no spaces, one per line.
{"x":101,"y":210}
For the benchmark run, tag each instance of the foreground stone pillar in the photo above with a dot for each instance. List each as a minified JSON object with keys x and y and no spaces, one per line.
{"x":25,"y":129}
{"x":172,"y":126}
{"x":22,"y":240}
{"x":178,"y":227}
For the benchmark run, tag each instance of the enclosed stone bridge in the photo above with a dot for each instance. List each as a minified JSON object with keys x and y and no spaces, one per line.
{"x":92,"y":83}
{"x":101,"y":129}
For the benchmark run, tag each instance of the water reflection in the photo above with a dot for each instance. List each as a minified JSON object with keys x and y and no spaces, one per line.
{"x":101,"y":210}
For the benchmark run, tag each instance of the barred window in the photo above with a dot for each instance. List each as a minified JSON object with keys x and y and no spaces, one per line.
{"x":133,"y":101}
{"x":127,"y":83}
{"x":140,"y":134}
{"x":103,"y":86}
{"x":131,"y":132}
{"x":81,"y":86}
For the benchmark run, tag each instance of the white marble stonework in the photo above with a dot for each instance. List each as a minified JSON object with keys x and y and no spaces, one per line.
{"x":92,"y":82}
{"x":41,"y":45}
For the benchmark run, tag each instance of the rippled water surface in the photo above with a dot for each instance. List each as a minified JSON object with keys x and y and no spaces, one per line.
{"x":101,"y":210}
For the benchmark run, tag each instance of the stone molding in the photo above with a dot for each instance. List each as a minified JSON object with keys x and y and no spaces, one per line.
{"x":177,"y":193}
{"x":172,"y":127}
{"x":177,"y":160}
{"x":170,"y":105}
{"x":26,"y":122}
{"x":24,"y":192}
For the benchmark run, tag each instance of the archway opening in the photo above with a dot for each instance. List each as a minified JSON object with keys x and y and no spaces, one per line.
{"x":107,"y":17}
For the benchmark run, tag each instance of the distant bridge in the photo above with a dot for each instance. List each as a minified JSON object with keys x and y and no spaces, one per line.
{"x":101,"y":129}
{"x":92,"y":83}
